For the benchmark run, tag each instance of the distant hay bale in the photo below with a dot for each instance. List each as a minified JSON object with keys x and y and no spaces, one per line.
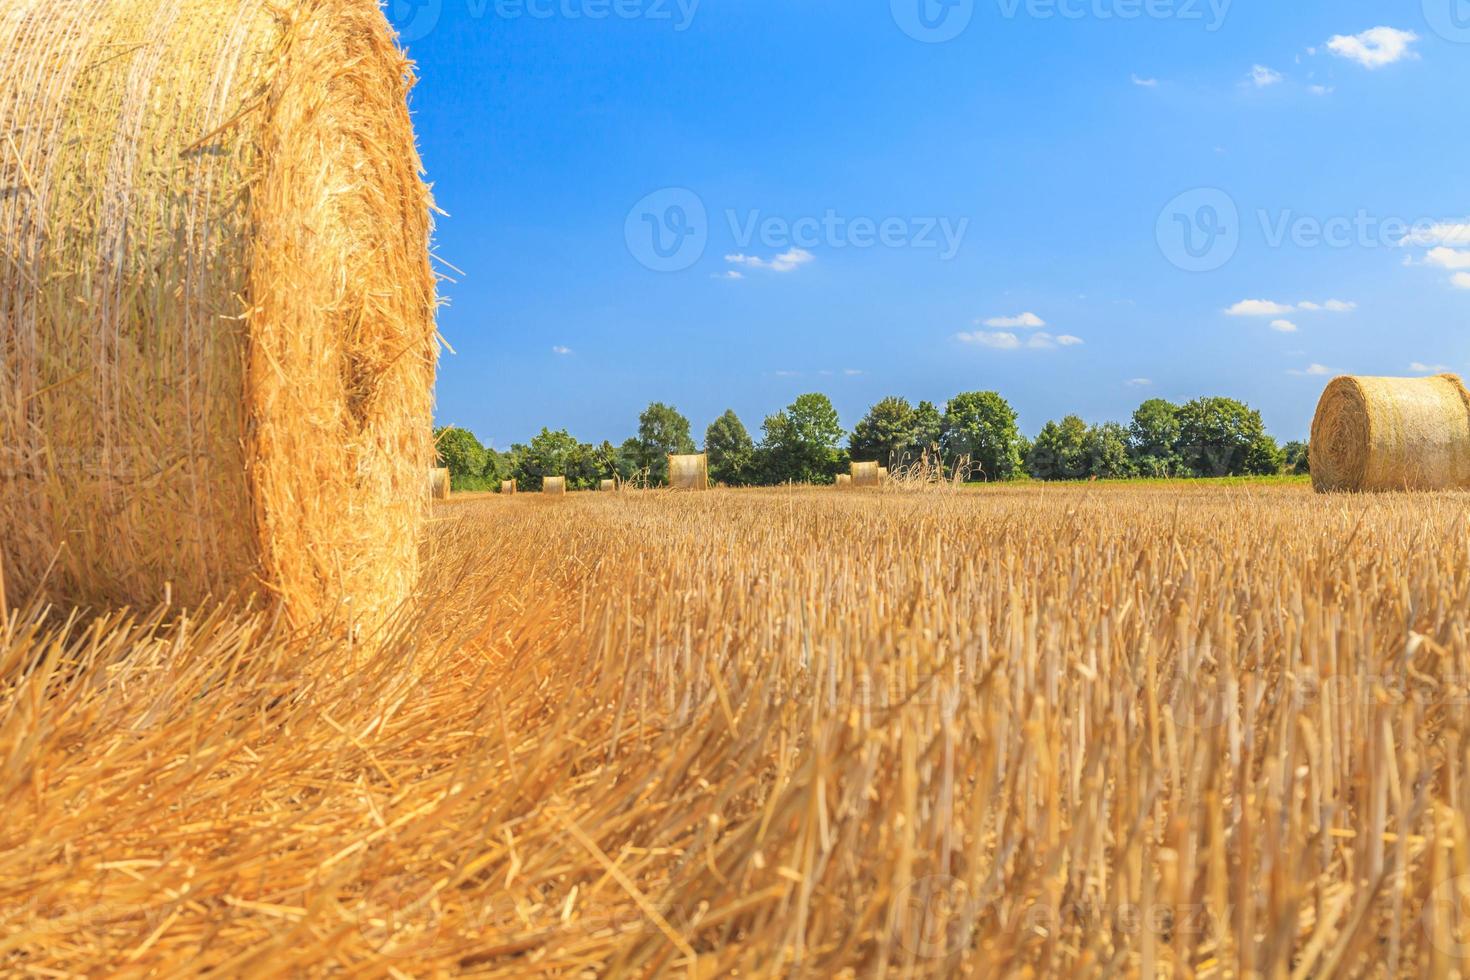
{"x":866,"y":474}
{"x":217,"y":343}
{"x":1375,"y":434}
{"x":844,"y":481}
{"x":607,"y":486}
{"x":882,"y":474}
{"x":508,"y":487}
{"x":439,"y":484}
{"x":554,"y":486}
{"x":689,"y":472}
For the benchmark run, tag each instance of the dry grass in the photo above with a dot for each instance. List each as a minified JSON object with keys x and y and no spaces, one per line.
{"x":1046,"y":731}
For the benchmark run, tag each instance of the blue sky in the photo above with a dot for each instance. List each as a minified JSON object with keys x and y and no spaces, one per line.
{"x":993,"y":196}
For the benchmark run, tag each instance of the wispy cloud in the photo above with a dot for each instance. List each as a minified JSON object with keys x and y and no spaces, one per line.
{"x":1027,"y":320}
{"x":1005,"y":340}
{"x":1283,"y":326}
{"x":1145,"y":82}
{"x":1420,"y":368}
{"x":785,"y":262}
{"x":1262,"y":76}
{"x":852,"y":372}
{"x":1375,"y":48}
{"x":1321,"y":89}
{"x":559,"y":349}
{"x":1266,"y":307}
{"x":1440,"y":233}
{"x":1313,"y":371}
{"x":729,"y":274}
{"x":1461,"y":280}
{"x":1138,"y":383}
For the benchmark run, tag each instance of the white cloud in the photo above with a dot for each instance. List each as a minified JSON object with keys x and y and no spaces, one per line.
{"x":1266,"y":307}
{"x":785,"y":262}
{"x":1145,"y":82}
{"x":1283,"y":326}
{"x":1461,"y":280}
{"x":559,"y":349}
{"x":788,"y":374}
{"x":1419,"y":368}
{"x":1258,"y":307}
{"x":1138,"y":383}
{"x":1029,"y":320}
{"x":1375,"y":48}
{"x":1263,"y":76}
{"x":999,"y":341}
{"x":852,"y":372}
{"x":729,"y":274}
{"x":1321,"y":89}
{"x":1005,"y":340}
{"x":1448,"y":258}
{"x":1314,"y":371}
{"x":1440,"y":233}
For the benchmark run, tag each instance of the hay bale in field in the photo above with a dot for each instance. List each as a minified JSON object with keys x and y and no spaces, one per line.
{"x":508,"y":487}
{"x":882,"y":474}
{"x":689,"y":472}
{"x":554,"y":486}
{"x":844,"y":481}
{"x":217,"y":343}
{"x":1373,"y":434}
{"x":607,"y":486}
{"x":439,"y":484}
{"x":865,"y":475}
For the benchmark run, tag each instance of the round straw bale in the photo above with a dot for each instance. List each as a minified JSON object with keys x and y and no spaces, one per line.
{"x":554,"y":486}
{"x":439,"y":484}
{"x":217,"y":344}
{"x":507,"y":487}
{"x":1374,"y":434}
{"x":843,"y":481}
{"x":865,"y":475}
{"x":607,"y":486}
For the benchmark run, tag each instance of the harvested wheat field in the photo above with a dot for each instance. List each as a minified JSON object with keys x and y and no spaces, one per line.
{"x":1181,"y":731}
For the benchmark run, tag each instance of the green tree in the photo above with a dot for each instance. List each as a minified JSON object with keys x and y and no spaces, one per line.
{"x":1153,"y":438}
{"x":1107,"y":452}
{"x":928,"y":429}
{"x":800,"y":444}
{"x":885,"y":434}
{"x":1296,"y":458}
{"x":1060,"y":451}
{"x":464,"y":456}
{"x":731,"y":450}
{"x":1264,"y":458}
{"x":549,"y":454}
{"x":662,"y":431}
{"x":1216,"y":436}
{"x":982,"y":426}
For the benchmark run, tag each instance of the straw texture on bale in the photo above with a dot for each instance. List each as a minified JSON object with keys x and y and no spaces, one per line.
{"x":608,"y":485}
{"x":844,"y":480}
{"x":217,"y":343}
{"x":882,"y":474}
{"x":865,"y":475}
{"x":1383,"y":434}
{"x":554,"y":486}
{"x":507,"y":486}
{"x":689,"y":472}
{"x":439,"y":484}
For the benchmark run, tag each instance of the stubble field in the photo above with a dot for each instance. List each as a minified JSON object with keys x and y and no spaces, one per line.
{"x":1089,"y":731}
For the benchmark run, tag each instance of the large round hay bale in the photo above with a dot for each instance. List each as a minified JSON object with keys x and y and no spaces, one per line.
{"x":216,"y":308}
{"x":865,"y":475}
{"x":554,"y":486}
{"x":1374,"y":434}
{"x":689,"y":472}
{"x":439,"y":484}
{"x":607,"y":486}
{"x":508,"y":487}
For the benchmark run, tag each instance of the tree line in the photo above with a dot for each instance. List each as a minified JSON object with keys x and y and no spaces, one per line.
{"x":806,"y":443}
